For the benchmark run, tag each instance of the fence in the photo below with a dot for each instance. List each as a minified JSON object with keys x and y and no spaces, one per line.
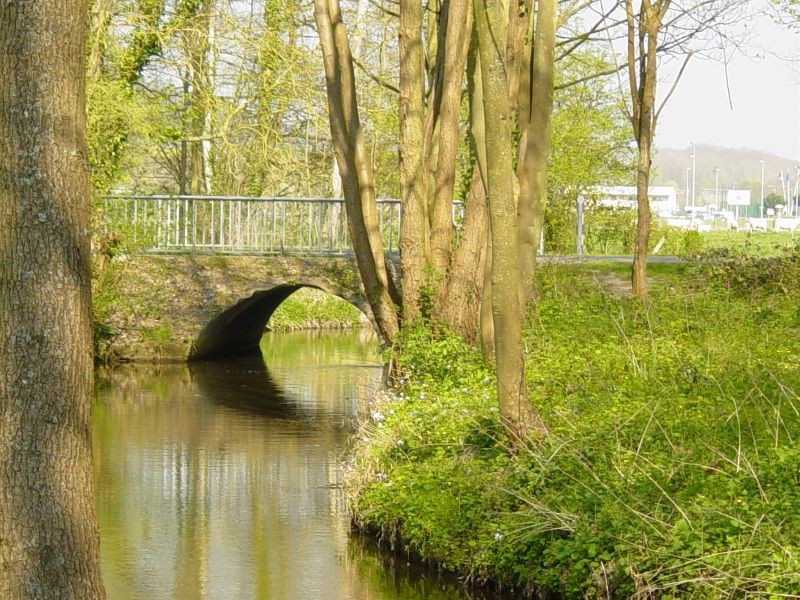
{"x":242,"y":225}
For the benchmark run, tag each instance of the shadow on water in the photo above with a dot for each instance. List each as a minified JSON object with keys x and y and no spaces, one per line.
{"x":243,"y":383}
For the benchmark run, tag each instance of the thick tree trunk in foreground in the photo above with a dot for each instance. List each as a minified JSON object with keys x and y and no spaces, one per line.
{"x":515,"y":409}
{"x":48,"y":531}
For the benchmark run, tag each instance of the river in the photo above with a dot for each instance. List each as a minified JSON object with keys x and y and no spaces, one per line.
{"x":220,"y":480}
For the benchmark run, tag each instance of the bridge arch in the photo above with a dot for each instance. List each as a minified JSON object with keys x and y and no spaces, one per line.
{"x":239,"y":328}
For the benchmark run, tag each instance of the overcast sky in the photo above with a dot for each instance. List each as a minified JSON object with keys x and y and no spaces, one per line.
{"x":765,"y":94}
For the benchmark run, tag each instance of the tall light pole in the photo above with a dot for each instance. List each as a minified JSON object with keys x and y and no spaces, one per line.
{"x":763,"y":165}
{"x":686,"y":189}
{"x":716,"y":188}
{"x":694,"y":169}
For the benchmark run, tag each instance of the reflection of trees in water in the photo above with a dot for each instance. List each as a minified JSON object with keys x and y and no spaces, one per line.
{"x":323,"y":372}
{"x":214,"y":482}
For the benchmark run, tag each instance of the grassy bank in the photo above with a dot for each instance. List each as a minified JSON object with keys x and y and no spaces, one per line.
{"x":314,"y":309}
{"x":672,"y":467}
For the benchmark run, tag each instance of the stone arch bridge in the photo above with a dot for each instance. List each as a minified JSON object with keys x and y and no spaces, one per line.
{"x":178,"y":307}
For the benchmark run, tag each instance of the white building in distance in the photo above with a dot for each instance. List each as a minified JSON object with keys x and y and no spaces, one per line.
{"x":663,"y":200}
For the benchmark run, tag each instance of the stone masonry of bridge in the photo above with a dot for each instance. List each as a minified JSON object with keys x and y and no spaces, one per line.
{"x":196,"y":307}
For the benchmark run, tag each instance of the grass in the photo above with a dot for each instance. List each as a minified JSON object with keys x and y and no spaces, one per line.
{"x":672,"y":464}
{"x":314,"y":309}
{"x":752,"y":244}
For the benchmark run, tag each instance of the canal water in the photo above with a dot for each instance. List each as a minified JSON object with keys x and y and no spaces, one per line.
{"x":220,"y":480}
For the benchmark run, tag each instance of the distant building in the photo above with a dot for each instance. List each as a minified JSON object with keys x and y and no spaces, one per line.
{"x":663,"y":200}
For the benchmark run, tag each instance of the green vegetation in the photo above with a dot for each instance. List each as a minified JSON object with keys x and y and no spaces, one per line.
{"x":751,"y":244}
{"x":314,"y":309}
{"x":672,"y":461}
{"x":612,"y":232}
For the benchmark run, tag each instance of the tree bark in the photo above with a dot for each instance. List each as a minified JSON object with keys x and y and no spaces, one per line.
{"x":533,"y":167}
{"x":354,"y":165}
{"x":478,"y":132}
{"x":642,"y":45}
{"x":413,"y":173}
{"x":49,"y":547}
{"x":459,"y":299}
{"x":515,"y":409}
{"x":455,"y":42}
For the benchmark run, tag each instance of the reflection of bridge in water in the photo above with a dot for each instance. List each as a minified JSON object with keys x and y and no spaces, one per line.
{"x":243,"y":225}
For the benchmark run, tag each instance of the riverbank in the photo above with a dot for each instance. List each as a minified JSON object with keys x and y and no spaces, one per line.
{"x":152,"y":308}
{"x":672,"y":460}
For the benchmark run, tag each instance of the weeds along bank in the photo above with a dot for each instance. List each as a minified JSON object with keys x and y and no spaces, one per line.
{"x":672,"y":468}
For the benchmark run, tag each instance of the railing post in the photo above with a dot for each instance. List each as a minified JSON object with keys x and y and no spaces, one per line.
{"x":193,"y":224}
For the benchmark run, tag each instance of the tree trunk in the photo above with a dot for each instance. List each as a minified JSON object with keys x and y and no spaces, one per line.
{"x":455,"y":42}
{"x":642,"y":82}
{"x":478,"y":132}
{"x":459,"y":300}
{"x":49,"y":547}
{"x":639,"y":271}
{"x":412,"y":170}
{"x":533,"y":182}
{"x":354,"y":165}
{"x":196,"y":47}
{"x":515,"y":410}
{"x":100,"y":20}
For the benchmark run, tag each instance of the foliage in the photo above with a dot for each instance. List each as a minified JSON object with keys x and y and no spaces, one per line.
{"x":591,"y":143}
{"x":591,"y":134}
{"x":612,"y":232}
{"x":670,"y":468}
{"x":751,"y":275}
{"x":752,"y":244}
{"x":109,"y":126}
{"x":314,"y":309}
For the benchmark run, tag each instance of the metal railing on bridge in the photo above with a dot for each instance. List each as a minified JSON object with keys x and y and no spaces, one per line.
{"x":242,"y":225}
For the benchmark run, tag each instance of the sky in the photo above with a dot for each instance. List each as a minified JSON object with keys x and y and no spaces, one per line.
{"x":764,"y":93}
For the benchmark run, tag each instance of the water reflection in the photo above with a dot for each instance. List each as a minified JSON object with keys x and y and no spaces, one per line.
{"x":243,"y":383}
{"x":219,"y":481}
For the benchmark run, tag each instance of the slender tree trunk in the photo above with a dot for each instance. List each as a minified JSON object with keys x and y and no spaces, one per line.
{"x":533,"y":183}
{"x":412,"y":170}
{"x":457,"y":29}
{"x":354,"y":165}
{"x":196,"y":46}
{"x":49,"y":540}
{"x":515,"y":409}
{"x":100,"y":20}
{"x":642,"y":44}
{"x":639,"y":272}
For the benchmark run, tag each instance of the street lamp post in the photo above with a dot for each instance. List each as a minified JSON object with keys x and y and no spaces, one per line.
{"x":686,"y":189}
{"x":694,"y":169}
{"x":763,"y":165}
{"x":716,"y":188}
